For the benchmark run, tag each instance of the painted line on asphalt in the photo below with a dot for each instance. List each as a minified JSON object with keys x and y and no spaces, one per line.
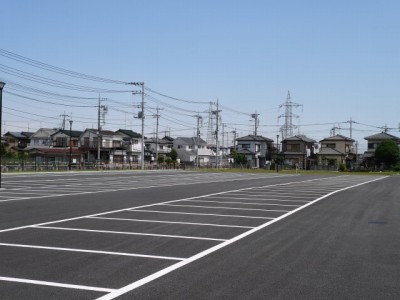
{"x":138,"y":187}
{"x":56,"y":284}
{"x":90,"y":251}
{"x":150,"y":205}
{"x":130,"y":233}
{"x":244,"y":203}
{"x":254,"y":199}
{"x":198,"y":214}
{"x":224,"y":207}
{"x":202,"y":254}
{"x":173,"y":222}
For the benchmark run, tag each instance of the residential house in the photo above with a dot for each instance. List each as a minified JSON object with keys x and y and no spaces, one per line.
{"x":192,"y":150}
{"x":160,"y":147}
{"x":17,"y":140}
{"x":256,"y":148}
{"x":373,"y":143}
{"x":105,"y":150}
{"x":298,"y":151}
{"x":41,"y":138}
{"x":335,"y":150}
{"x":132,"y":144}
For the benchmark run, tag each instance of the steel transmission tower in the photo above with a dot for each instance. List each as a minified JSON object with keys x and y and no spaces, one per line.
{"x":288,"y":127}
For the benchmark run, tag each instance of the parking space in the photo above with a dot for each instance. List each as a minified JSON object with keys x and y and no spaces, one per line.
{"x":113,"y":252}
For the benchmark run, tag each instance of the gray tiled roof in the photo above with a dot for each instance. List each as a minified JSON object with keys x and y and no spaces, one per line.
{"x":251,"y":137}
{"x":300,"y":138}
{"x":382,"y":136}
{"x":338,"y":137}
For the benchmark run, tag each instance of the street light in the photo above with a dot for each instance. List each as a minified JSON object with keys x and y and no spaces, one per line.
{"x":277,"y":149}
{"x":2,"y":84}
{"x":70,"y":144}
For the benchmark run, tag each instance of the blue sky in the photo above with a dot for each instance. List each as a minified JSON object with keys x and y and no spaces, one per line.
{"x":339,"y":59}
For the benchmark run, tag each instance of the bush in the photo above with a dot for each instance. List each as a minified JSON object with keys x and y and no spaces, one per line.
{"x":342,"y":167}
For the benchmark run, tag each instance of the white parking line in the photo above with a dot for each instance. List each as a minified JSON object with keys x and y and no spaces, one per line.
{"x":90,"y":251}
{"x":198,"y":214}
{"x":225,"y":207}
{"x":204,"y":253}
{"x":170,"y":222}
{"x":244,"y":203}
{"x":132,"y":233}
{"x":55,"y":284}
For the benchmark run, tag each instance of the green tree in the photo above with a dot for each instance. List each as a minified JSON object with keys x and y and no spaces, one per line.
{"x":239,"y":158}
{"x":388,"y":153}
{"x":173,"y":154}
{"x":161,"y":159}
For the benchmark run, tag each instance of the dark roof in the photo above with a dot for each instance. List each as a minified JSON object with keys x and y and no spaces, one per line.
{"x":382,"y":136}
{"x":168,"y":138}
{"x":102,"y":132}
{"x":191,"y":140}
{"x":255,"y":138}
{"x":52,"y":150}
{"x":74,"y":133}
{"x":130,"y":133}
{"x":19,"y":135}
{"x":337,"y":137}
{"x":300,"y":138}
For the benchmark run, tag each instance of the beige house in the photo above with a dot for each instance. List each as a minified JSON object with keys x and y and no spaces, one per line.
{"x":298,"y":150}
{"x":335,"y":150}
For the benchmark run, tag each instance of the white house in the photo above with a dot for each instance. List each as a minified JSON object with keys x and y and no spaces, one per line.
{"x":192,"y":150}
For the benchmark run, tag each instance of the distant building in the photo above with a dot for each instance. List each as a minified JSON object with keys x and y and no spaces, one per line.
{"x":256,"y":148}
{"x":373,"y":143}
{"x":335,"y":150}
{"x":298,"y":151}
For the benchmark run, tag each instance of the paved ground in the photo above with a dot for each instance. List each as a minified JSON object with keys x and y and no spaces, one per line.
{"x":187,"y":235}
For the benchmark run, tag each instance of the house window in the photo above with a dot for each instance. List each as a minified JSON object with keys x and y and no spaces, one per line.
{"x":190,"y":147}
{"x":293,"y":147}
{"x":135,"y":142}
{"x":332,"y":146}
{"x":245,"y":146}
{"x":258,"y":147}
{"x":61,"y":142}
{"x":179,"y":146}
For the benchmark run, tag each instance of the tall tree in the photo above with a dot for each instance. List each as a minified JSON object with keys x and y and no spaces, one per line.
{"x":388,"y":153}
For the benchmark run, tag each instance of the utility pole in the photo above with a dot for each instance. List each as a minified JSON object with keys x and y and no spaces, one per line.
{"x":141,"y":116}
{"x":216,"y":112}
{"x":199,"y":123}
{"x":157,"y":115}
{"x":256,"y":122}
{"x":351,"y":127}
{"x":102,"y":110}
{"x":234,"y":138}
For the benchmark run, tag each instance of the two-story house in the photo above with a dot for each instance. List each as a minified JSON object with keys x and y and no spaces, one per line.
{"x":158,"y":147}
{"x":298,"y":150}
{"x":52,"y":146}
{"x":132,"y":144}
{"x":256,"y":148}
{"x":335,"y":150}
{"x":17,"y":140}
{"x":373,"y":143}
{"x":41,"y":138}
{"x":101,"y":146}
{"x":192,"y":150}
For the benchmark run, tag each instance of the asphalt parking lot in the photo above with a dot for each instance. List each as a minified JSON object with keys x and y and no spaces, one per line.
{"x":188,"y":235}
